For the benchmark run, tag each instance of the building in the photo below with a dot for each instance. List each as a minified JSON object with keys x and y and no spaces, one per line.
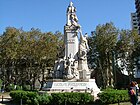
{"x":134,"y":21}
{"x":137,"y":73}
{"x":137,"y":4}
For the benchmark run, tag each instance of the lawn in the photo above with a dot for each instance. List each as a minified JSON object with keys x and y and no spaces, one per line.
{"x":124,"y":103}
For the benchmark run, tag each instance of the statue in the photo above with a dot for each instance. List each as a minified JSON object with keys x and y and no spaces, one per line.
{"x":69,"y":68}
{"x":71,"y":72}
{"x":83,"y":47}
{"x":71,"y":15}
{"x":75,"y":70}
{"x":74,"y":64}
{"x":58,"y":68}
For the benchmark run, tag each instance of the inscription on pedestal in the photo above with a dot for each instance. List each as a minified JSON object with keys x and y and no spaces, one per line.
{"x":71,"y":41}
{"x":67,"y":85}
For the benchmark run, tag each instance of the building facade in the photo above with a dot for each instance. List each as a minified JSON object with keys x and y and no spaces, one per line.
{"x":134,"y":21}
{"x":137,"y":5}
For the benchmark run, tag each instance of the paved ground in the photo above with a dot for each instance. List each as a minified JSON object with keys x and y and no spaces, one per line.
{"x":4,"y":99}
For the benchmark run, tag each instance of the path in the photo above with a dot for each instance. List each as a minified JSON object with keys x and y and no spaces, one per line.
{"x":4,"y":99}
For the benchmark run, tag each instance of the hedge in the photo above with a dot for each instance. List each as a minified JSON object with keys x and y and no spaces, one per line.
{"x":44,"y":99}
{"x":71,"y":98}
{"x":114,"y":96}
{"x":27,"y":97}
{"x":32,"y":98}
{"x":75,"y":98}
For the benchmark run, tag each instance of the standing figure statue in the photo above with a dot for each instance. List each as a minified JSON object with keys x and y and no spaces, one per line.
{"x":83,"y":47}
{"x":71,"y":15}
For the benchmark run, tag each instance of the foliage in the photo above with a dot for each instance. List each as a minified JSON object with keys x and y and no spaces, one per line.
{"x":10,"y":87}
{"x":18,"y":87}
{"x":102,"y":44}
{"x":24,"y":56}
{"x":32,"y":98}
{"x":44,"y":99}
{"x":27,"y":97}
{"x":113,"y":52}
{"x":113,"y":96}
{"x":26,"y":87}
{"x":0,"y":83}
{"x":71,"y":98}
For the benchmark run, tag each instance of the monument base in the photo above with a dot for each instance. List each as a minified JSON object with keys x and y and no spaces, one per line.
{"x":60,"y":85}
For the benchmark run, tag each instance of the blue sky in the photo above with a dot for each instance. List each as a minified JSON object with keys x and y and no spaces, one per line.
{"x":50,"y":15}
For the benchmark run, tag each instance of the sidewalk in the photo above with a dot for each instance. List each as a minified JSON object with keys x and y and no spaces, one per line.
{"x":4,"y":99}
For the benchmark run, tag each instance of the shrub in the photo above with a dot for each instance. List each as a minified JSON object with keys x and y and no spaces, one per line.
{"x":44,"y":99}
{"x":27,"y":97}
{"x":0,"y":83}
{"x":26,"y":87}
{"x":113,"y":96}
{"x":10,"y":87}
{"x":71,"y":98}
{"x":18,"y":87}
{"x":32,"y":98}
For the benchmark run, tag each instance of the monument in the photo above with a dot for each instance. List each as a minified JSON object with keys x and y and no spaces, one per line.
{"x":71,"y":73}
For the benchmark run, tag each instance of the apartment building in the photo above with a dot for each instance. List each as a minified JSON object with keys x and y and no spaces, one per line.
{"x":134,"y":21}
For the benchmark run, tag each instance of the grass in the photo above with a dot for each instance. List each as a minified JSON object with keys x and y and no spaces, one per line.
{"x":124,"y":103}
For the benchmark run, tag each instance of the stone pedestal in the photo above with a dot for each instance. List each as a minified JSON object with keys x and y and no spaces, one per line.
{"x":60,"y":85}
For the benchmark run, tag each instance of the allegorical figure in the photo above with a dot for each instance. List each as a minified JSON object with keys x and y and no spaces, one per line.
{"x":69,"y":68}
{"x":71,"y":15}
{"x":82,"y":54}
{"x":83,"y":47}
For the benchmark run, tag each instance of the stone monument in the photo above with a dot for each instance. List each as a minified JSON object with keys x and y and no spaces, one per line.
{"x":71,"y":73}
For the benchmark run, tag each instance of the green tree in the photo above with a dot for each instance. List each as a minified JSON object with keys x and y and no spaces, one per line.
{"x":8,"y":53}
{"x":24,"y":56}
{"x":102,"y":46}
{"x":135,"y":47}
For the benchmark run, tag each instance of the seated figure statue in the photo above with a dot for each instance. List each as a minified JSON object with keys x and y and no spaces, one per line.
{"x":69,"y":68}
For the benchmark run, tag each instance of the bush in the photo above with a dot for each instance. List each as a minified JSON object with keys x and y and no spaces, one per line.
{"x":26,"y":87}
{"x":113,"y":96}
{"x":27,"y":97}
{"x":32,"y":98}
{"x":10,"y":87}
{"x":0,"y":83}
{"x":18,"y":87}
{"x":44,"y":99}
{"x":71,"y":98}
